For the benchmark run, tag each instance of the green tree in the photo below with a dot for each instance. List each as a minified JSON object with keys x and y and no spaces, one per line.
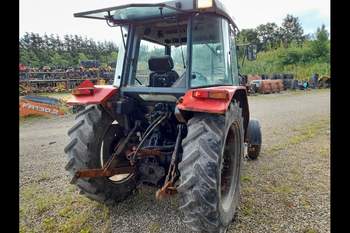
{"x":269,"y":35}
{"x":82,"y":57}
{"x":291,"y":30}
{"x":320,"y":47}
{"x":113,"y":56}
{"x":248,"y":36}
{"x":58,"y":60}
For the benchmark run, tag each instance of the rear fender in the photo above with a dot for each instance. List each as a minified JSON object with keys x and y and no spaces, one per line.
{"x":219,"y":106}
{"x":189,"y":103}
{"x":88,"y":93}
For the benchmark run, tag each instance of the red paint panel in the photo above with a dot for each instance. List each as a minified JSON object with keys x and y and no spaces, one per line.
{"x":190,"y":103}
{"x":101,"y":94}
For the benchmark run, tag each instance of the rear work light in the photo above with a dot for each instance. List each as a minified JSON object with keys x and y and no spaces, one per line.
{"x":204,"y":3}
{"x":219,"y":95}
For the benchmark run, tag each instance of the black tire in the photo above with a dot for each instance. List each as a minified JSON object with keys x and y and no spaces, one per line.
{"x":254,"y":139}
{"x":94,"y":130}
{"x":210,"y":139}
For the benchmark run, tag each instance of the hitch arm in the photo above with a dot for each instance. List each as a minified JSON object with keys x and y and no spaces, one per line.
{"x":89,"y":173}
{"x":173,"y":173}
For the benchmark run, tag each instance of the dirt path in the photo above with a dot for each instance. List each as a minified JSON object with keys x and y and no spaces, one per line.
{"x":286,"y":190}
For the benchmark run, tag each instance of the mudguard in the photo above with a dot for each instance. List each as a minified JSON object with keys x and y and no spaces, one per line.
{"x":189,"y":102}
{"x":88,"y":93}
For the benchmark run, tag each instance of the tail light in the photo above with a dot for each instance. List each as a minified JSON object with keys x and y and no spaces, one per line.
{"x":217,"y":94}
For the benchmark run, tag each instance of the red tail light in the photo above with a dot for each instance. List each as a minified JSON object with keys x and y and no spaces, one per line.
{"x":200,"y":94}
{"x":212,"y":94}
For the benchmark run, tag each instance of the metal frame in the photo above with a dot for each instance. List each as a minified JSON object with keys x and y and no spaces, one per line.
{"x":109,"y":9}
{"x":218,"y":8}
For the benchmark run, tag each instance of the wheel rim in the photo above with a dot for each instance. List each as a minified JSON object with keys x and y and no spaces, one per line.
{"x":230,"y":167}
{"x":109,"y":141}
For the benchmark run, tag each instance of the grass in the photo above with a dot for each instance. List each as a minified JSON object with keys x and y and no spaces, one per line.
{"x":282,"y":189}
{"x":247,"y":208}
{"x":302,"y":134}
{"x":246,"y":179}
{"x":310,"y":230}
{"x":154,"y":227}
{"x":324,"y":151}
{"x":66,"y":212}
{"x":305,"y":202}
{"x":32,"y":118}
{"x":44,"y":176}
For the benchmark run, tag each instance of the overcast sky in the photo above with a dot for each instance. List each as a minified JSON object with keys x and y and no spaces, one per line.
{"x":56,"y":16}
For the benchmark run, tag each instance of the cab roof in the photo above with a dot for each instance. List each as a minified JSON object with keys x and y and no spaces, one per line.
{"x":133,"y":13}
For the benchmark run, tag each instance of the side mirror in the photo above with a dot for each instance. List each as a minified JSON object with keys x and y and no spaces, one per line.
{"x":251,"y":52}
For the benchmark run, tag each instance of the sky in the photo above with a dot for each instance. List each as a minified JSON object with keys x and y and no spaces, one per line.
{"x":56,"y":16}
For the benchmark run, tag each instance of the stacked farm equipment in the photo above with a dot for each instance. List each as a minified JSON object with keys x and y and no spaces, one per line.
{"x":277,"y":82}
{"x":324,"y":82}
{"x":287,"y":79}
{"x":262,"y":84}
{"x":47,"y":79}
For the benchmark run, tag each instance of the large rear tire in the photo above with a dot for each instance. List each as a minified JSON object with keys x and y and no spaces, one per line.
{"x":92,"y":140}
{"x":210,"y":170}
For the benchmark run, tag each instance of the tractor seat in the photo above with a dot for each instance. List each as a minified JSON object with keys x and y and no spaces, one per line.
{"x":162,"y":74}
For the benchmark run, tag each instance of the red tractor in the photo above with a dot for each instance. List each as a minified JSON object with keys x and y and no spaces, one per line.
{"x":174,"y":118}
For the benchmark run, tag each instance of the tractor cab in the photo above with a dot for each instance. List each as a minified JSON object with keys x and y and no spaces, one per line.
{"x":170,"y":47}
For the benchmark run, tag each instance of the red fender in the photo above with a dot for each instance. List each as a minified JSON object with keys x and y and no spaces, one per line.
{"x":210,"y":99}
{"x":88,"y":93}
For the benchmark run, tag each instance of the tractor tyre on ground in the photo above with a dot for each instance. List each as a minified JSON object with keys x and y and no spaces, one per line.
{"x":254,"y":139}
{"x":92,"y":141}
{"x":210,"y":170}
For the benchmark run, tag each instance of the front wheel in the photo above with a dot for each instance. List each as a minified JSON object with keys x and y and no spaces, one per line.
{"x":210,"y":170}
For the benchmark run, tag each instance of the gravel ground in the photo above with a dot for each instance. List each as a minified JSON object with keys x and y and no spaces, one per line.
{"x":286,"y":190}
